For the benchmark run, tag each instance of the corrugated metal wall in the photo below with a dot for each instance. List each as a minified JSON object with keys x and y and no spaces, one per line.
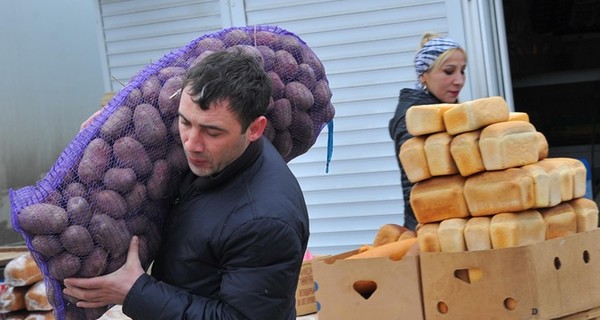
{"x":367,"y":49}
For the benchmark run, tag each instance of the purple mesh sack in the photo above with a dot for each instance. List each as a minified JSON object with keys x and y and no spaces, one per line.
{"x":118,"y":176}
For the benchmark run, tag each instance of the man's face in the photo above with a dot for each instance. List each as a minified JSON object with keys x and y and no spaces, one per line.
{"x":212,"y":139}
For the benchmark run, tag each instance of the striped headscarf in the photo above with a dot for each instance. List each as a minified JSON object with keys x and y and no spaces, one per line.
{"x":430,"y":51}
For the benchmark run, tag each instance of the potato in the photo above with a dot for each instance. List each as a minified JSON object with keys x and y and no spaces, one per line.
{"x":302,"y":131}
{"x":270,"y":131}
{"x":177,"y":159}
{"x":310,"y":58}
{"x":94,"y":264}
{"x":265,"y":38}
{"x":236,"y":37}
{"x":64,"y":265}
{"x":110,"y":234}
{"x":299,"y":95}
{"x":77,"y":240}
{"x":169,"y":72}
{"x":79,"y":211}
{"x":322,"y":93}
{"x":168,"y":101}
{"x":74,"y":189}
{"x":119,"y":179}
{"x":135,"y":197}
{"x":151,"y":89}
{"x":139,"y":224}
{"x":149,"y":128}
{"x":277,"y":86}
{"x":281,"y":116}
{"x":283,"y":143}
{"x":43,"y":218}
{"x":114,"y":263}
{"x":290,"y":43}
{"x":111,"y":203}
{"x":94,"y":162}
{"x":174,"y":131}
{"x":131,"y":153}
{"x":116,"y":123}
{"x":285,"y":65}
{"x":159,"y":180}
{"x":133,"y":98}
{"x":268,"y":57}
{"x":47,"y":245}
{"x":209,"y":43}
{"x":306,"y":76}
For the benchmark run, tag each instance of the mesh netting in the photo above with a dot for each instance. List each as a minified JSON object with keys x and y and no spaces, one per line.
{"x":118,"y":176}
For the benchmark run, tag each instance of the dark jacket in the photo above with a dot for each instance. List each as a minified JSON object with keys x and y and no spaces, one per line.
{"x":398,"y":133}
{"x":232,"y":249}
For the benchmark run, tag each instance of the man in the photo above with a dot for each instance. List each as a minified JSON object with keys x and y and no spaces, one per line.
{"x":233,"y":246}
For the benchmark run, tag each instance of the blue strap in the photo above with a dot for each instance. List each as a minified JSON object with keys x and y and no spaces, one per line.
{"x":329,"y":144}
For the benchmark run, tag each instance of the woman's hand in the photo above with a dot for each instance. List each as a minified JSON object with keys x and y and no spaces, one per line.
{"x":107,"y":289}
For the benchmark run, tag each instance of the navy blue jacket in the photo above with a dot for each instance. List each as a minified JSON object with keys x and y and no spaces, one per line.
{"x":233,"y":247}
{"x":397,"y":127}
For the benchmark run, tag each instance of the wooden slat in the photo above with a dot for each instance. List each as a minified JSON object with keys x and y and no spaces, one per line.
{"x":9,"y":253}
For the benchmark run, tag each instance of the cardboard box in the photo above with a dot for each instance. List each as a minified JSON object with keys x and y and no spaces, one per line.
{"x":547,"y":280}
{"x":397,"y":294}
{"x":305,"y":292}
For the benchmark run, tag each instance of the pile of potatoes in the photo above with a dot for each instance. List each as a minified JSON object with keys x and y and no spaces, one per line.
{"x":119,"y":176}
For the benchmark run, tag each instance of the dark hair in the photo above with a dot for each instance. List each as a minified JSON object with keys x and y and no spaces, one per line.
{"x":231,"y":75}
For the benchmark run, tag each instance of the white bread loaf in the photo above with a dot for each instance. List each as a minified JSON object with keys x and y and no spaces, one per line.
{"x":426,"y":119}
{"x":464,"y":149}
{"x":517,"y":229}
{"x":541,"y":186}
{"x":451,"y":235}
{"x":586,"y":211}
{"x":565,"y":175}
{"x":427,"y":237}
{"x":542,"y":145}
{"x":12,"y":299}
{"x":42,"y":315}
{"x":437,"y":153}
{"x":22,"y":271}
{"x":491,"y":192}
{"x":579,"y":173}
{"x":413,"y":159}
{"x":560,"y":221}
{"x":36,"y":298}
{"x":387,"y":233}
{"x":508,"y":144}
{"x":477,"y":234}
{"x":518,"y":116}
{"x":475,"y":114}
{"x":439,"y":198}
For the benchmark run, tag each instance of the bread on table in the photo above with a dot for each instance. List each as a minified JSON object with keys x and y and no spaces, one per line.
{"x":451,"y":235}
{"x":517,"y":229}
{"x":437,"y":153}
{"x":475,"y":114}
{"x":388,"y":233}
{"x":508,"y":144}
{"x":12,"y":299}
{"x":413,"y":159}
{"x":36,"y":298}
{"x":426,"y":119}
{"x":464,"y":149}
{"x":491,"y":192}
{"x":586,"y":212}
{"x":543,"y":148}
{"x":439,"y":198}
{"x":477,"y":233}
{"x":22,"y":271}
{"x":565,"y":175}
{"x":427,"y":237}
{"x":542,"y":186}
{"x":560,"y":221}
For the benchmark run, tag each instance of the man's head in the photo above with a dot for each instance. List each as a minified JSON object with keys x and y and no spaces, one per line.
{"x":221,"y":111}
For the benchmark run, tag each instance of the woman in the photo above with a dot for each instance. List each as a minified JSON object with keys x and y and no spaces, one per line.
{"x":440,"y":66}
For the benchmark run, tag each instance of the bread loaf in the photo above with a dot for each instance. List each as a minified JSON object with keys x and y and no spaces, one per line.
{"x":543,"y":148}
{"x":413,"y":159}
{"x":439,"y":198}
{"x":36,"y":298}
{"x":517,"y":229}
{"x":541,"y":186}
{"x":12,"y":299}
{"x":475,"y":114}
{"x":586,"y":212}
{"x":464,"y":149}
{"x":560,"y":221}
{"x":426,"y":119}
{"x":437,"y":153}
{"x":40,"y":315}
{"x":491,"y":192}
{"x":508,"y":144}
{"x":477,"y":234}
{"x":579,"y":173}
{"x":388,"y":233}
{"x":565,"y":175}
{"x":451,"y":235}
{"x":22,"y":271}
{"x":518,"y":116}
{"x":427,"y":237}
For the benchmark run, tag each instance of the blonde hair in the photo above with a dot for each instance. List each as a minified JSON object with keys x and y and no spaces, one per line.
{"x":437,"y":63}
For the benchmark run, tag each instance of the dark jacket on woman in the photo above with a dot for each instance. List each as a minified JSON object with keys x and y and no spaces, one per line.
{"x":232,"y":249}
{"x":398,"y":133}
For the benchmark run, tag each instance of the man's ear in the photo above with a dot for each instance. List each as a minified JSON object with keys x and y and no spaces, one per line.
{"x":257,"y":127}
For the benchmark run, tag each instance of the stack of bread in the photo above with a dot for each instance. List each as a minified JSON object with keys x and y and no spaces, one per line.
{"x":24,"y":295}
{"x":483,"y":179}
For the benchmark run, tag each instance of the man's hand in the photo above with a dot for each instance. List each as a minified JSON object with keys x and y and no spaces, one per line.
{"x":107,"y":289}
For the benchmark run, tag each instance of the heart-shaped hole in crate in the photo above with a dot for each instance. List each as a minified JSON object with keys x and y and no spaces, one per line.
{"x":365,"y":288}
